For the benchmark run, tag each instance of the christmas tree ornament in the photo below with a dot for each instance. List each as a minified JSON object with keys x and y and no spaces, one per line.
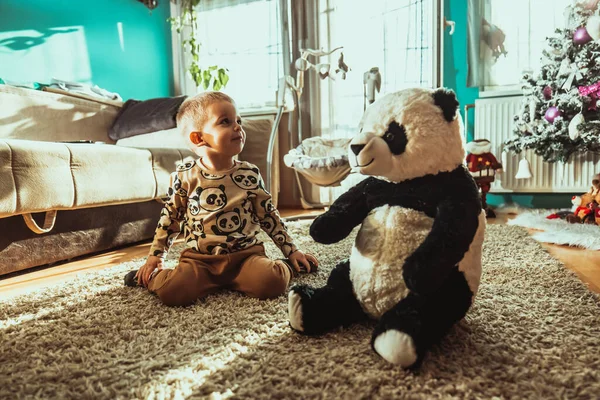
{"x":593,"y":27}
{"x":552,"y":113}
{"x":581,"y":36}
{"x":532,"y":109}
{"x":547,"y":92}
{"x":524,"y":171}
{"x":574,"y":126}
{"x":590,"y":91}
{"x":573,"y":73}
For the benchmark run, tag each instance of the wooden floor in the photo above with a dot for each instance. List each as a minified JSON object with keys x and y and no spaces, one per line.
{"x":585,"y":263}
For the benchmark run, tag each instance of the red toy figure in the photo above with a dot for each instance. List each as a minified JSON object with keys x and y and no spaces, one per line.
{"x":483,"y":166}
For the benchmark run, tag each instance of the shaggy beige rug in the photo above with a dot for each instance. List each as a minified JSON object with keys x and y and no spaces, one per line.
{"x":534,"y":332}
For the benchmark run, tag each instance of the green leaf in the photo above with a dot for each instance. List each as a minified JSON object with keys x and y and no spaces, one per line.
{"x":223,"y":77}
{"x":212,"y":68}
{"x":217,"y":85}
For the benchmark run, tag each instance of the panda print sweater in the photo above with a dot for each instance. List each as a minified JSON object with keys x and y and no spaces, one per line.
{"x":218,"y":212}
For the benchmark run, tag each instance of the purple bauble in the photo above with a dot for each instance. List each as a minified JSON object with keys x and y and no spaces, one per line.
{"x":547,"y":92}
{"x":581,"y":36}
{"x":551,"y":114}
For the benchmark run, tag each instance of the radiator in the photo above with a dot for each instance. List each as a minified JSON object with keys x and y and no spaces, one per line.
{"x":494,"y":121}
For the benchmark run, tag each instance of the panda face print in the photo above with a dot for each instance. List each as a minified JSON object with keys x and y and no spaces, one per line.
{"x":246,"y":178}
{"x":212,"y":198}
{"x":198,"y":229}
{"x":409,"y":134}
{"x":267,"y":205}
{"x":229,"y":221}
{"x":211,"y":177}
{"x":179,"y":190}
{"x":268,"y":224}
{"x":185,"y":166}
{"x":193,"y":206}
{"x":280,"y":238}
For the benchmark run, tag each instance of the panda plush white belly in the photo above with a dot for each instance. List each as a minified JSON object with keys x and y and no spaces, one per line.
{"x":416,"y":261}
{"x":385,"y":239}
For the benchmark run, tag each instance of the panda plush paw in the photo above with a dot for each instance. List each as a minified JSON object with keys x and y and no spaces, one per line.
{"x":396,"y":347}
{"x":296,"y":296}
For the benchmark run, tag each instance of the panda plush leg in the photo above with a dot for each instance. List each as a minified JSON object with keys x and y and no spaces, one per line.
{"x":317,"y":310}
{"x":407,"y":331}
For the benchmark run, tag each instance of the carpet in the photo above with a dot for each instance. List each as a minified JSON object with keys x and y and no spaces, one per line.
{"x":533,"y":332}
{"x":559,"y":231}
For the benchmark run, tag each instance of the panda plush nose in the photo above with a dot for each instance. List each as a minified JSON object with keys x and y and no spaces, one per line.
{"x":356,"y":148}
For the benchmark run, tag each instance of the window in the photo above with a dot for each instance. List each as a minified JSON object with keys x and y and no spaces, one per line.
{"x":397,"y":36}
{"x":243,"y":36}
{"x":526,"y":24}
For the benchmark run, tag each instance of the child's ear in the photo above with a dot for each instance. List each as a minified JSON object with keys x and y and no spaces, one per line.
{"x":196,"y":138}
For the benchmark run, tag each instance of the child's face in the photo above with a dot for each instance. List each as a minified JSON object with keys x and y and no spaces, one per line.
{"x":222,"y":132}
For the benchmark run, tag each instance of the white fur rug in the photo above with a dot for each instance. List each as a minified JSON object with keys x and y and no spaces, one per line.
{"x":559,"y":231}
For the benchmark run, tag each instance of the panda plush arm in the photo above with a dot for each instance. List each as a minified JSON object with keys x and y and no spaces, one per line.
{"x":453,"y":230}
{"x":349,"y":210}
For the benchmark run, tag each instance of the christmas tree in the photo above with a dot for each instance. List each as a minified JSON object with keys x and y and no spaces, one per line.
{"x":560,"y":114}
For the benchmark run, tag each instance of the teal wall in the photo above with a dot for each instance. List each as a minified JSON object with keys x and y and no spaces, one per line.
{"x":455,"y":77}
{"x":79,"y":40}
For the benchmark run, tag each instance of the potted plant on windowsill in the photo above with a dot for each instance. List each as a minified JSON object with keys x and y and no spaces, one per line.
{"x":188,"y":18}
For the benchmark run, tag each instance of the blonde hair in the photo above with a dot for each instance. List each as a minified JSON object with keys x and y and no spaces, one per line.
{"x":192,"y":112}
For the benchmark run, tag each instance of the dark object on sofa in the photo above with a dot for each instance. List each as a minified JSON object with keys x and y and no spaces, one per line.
{"x":137,"y":117}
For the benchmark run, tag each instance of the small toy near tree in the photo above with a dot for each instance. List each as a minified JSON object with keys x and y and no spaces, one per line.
{"x":560,"y":114}
{"x":483,"y":166}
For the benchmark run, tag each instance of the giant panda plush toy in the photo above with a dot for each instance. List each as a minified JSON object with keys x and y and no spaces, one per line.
{"x":416,"y":262}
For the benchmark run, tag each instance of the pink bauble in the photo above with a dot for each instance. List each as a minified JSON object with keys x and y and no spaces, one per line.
{"x":547,"y":92}
{"x":581,"y":36}
{"x":552,"y":113}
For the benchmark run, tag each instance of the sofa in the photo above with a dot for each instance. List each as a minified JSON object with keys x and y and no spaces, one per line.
{"x":67,"y":189}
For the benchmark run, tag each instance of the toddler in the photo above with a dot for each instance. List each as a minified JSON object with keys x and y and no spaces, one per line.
{"x":221,"y":204}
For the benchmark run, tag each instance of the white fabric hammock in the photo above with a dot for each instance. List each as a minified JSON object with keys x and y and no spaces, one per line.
{"x":324,"y":162}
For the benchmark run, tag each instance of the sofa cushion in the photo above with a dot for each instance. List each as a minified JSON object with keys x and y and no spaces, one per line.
{"x":57,"y":176}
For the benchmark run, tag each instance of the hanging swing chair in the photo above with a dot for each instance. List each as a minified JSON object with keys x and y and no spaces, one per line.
{"x":323,"y":162}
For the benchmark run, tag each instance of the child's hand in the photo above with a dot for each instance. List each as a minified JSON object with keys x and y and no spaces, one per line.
{"x":299,"y":260}
{"x":143,"y":274}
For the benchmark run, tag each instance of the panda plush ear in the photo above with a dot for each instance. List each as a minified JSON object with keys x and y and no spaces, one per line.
{"x":446,"y":100}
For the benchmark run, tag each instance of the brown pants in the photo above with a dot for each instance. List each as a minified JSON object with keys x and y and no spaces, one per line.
{"x":248,"y":271}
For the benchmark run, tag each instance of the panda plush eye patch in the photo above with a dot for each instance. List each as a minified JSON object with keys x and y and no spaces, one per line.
{"x":395,"y":137}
